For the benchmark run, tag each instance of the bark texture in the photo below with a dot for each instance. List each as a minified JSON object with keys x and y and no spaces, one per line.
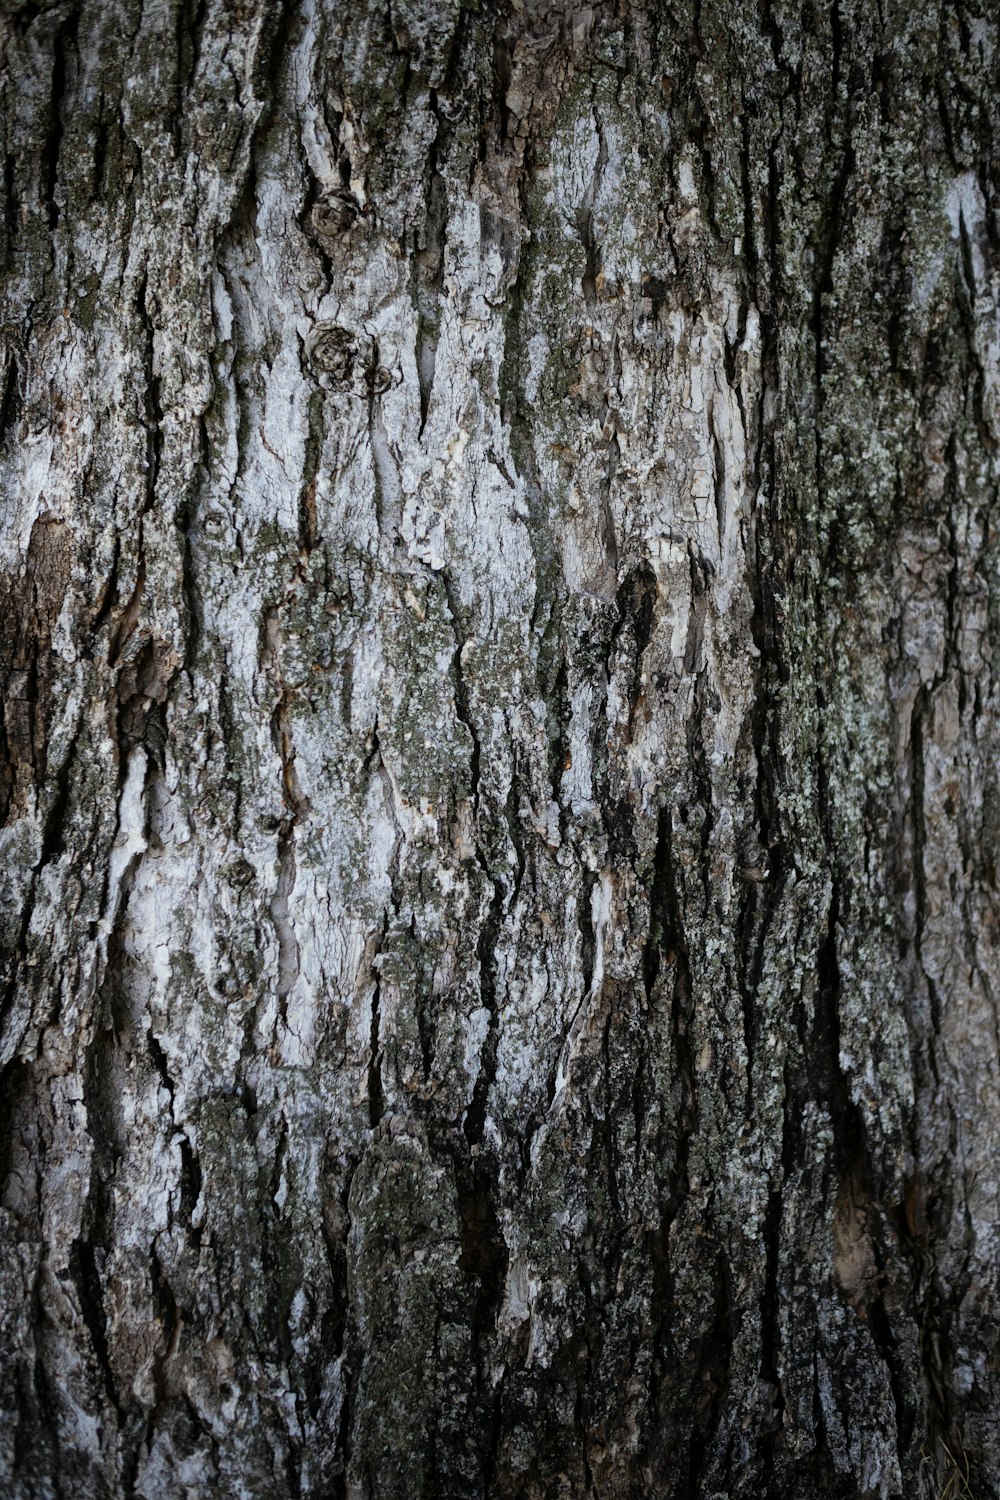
{"x":499,"y":759}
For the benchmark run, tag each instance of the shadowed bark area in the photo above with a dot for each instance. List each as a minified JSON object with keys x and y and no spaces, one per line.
{"x":499,"y":750}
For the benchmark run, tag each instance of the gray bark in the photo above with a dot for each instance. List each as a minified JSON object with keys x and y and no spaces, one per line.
{"x":499,"y":756}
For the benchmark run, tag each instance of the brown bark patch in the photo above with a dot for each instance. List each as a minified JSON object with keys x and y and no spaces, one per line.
{"x":853,"y":1256}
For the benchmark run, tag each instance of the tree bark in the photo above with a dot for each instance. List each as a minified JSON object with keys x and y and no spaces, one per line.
{"x":499,"y":756}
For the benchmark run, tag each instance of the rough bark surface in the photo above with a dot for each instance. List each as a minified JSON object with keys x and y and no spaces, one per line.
{"x":499,"y":755}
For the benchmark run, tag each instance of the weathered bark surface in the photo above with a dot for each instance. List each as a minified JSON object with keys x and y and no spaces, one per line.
{"x":499,"y":760}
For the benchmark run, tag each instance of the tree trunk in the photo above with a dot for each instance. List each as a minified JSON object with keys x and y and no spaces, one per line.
{"x":499,"y":765}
